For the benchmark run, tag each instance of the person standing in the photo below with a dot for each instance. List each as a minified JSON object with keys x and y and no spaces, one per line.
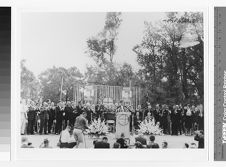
{"x":148,"y":110}
{"x":23,"y":117}
{"x":31,"y":115}
{"x":157,"y":114}
{"x":89,"y":113}
{"x":165,"y":113}
{"x":59,"y":118}
{"x":188,"y":120}
{"x":178,"y":119}
{"x":174,"y":121}
{"x":51,"y":113}
{"x":81,"y":124}
{"x":44,"y":116}
{"x":69,"y":119}
{"x":137,"y":120}
{"x":201,"y":119}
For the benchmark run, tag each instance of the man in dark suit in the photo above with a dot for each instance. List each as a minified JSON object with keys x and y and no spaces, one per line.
{"x":200,"y":138}
{"x":141,"y":139}
{"x":59,"y":118}
{"x":69,"y":114}
{"x":102,"y":144}
{"x":31,"y":118}
{"x":122,"y":141}
{"x":44,"y":116}
{"x":152,"y":143}
{"x":148,"y":110}
{"x":51,"y":117}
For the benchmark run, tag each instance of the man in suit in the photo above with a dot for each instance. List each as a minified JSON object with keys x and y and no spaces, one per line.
{"x":122,"y":141}
{"x":102,"y":144}
{"x":59,"y":118}
{"x":148,"y":110}
{"x":31,"y":118}
{"x":152,"y":143}
{"x":69,"y":115}
{"x":200,"y":138}
{"x":44,"y":116}
{"x":51,"y":112}
{"x":141,"y":139}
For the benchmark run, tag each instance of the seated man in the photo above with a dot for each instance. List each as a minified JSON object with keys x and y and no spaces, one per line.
{"x":152,"y":143}
{"x":116,"y":145}
{"x":102,"y":144}
{"x":199,"y":136}
{"x":164,"y":144}
{"x":122,"y":141}
{"x":65,"y":137}
{"x":45,"y":144}
{"x":141,"y":139}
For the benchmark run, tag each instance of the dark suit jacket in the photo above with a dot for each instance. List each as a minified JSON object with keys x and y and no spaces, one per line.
{"x":153,"y":145}
{"x":101,"y":144}
{"x":200,"y":140}
{"x":142,"y":140}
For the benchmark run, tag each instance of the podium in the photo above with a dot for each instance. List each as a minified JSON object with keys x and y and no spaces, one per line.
{"x":122,"y":124}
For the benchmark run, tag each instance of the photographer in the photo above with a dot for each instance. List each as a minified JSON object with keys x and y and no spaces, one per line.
{"x":199,"y":136}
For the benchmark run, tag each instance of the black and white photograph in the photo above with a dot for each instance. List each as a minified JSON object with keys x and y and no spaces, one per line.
{"x":112,"y":80}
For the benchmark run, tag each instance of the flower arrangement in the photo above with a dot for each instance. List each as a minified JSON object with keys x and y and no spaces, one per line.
{"x":97,"y":128}
{"x":150,"y":128}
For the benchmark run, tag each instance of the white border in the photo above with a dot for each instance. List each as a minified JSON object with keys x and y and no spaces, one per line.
{"x":169,"y":155}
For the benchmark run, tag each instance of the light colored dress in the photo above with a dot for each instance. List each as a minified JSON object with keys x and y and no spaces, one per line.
{"x":23,"y":118}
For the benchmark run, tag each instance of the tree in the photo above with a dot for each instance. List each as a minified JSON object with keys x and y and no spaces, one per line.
{"x":30,"y":86}
{"x":171,"y":56}
{"x":102,"y":47}
{"x":52,"y":79}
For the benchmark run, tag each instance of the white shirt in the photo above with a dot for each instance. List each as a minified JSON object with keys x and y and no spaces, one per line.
{"x":65,"y":136}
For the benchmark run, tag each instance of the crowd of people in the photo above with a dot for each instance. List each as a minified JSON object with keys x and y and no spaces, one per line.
{"x":137,"y":141}
{"x":48,"y":118}
{"x":71,"y":122}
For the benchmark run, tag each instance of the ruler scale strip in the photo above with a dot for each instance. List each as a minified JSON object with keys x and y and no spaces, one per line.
{"x":220,"y":83}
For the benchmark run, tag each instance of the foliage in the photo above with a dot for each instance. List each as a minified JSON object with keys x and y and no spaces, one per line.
{"x":103,"y":46}
{"x":171,"y":57}
{"x":30,"y":86}
{"x":122,"y":75}
{"x":53,"y":78}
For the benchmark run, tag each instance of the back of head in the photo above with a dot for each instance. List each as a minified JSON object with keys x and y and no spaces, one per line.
{"x":138,"y":145}
{"x":186,"y":145}
{"x":105,"y":139}
{"x":152,"y":138}
{"x":46,"y":141}
{"x":164,"y":144}
{"x":116,"y":145}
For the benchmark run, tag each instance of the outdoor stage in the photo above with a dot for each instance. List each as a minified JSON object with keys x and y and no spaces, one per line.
{"x":173,"y":141}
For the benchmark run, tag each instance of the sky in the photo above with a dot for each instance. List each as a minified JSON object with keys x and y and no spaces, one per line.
{"x":59,"y":39}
